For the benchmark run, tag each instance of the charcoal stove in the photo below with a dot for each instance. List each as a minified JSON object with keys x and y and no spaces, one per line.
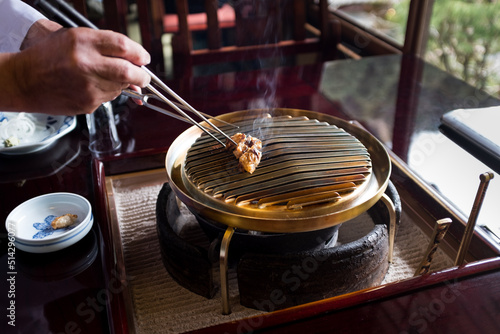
{"x":304,"y":267}
{"x":317,"y":172}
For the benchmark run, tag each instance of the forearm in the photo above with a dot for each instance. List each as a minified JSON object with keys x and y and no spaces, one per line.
{"x":15,"y":77}
{"x":12,"y":97}
{"x":39,"y":30}
{"x":16,"y":18}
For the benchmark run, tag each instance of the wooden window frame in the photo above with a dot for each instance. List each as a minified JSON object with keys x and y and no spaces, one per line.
{"x":364,"y":41}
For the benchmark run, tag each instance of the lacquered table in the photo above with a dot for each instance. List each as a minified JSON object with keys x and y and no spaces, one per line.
{"x":399,"y":100}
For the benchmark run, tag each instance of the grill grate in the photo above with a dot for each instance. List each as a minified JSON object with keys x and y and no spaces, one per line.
{"x":304,"y":162}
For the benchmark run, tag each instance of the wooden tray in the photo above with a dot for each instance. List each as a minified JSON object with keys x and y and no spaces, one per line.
{"x":399,"y":304}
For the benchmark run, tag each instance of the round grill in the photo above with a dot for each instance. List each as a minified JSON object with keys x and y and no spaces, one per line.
{"x":316,"y":171}
{"x":304,"y":162}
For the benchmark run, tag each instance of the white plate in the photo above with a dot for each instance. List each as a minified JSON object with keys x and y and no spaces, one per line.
{"x":57,"y":244}
{"x":48,"y":128}
{"x":30,"y":222}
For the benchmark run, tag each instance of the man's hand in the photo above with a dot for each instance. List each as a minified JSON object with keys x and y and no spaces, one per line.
{"x":73,"y":71}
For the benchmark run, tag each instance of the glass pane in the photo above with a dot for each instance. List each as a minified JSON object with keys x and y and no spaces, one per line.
{"x":385,"y":17}
{"x":464,"y":41}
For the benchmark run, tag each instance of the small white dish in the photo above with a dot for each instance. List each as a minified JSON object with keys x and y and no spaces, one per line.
{"x":30,"y":222}
{"x":47,"y":129}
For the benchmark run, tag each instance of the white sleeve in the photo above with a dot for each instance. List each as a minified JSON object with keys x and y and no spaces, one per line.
{"x":16,"y":17}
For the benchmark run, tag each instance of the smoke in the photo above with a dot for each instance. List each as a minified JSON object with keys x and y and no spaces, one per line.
{"x":266,"y":19}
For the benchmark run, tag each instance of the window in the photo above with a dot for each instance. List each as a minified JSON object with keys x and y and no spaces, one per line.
{"x":384,"y":17}
{"x":464,"y":41}
{"x":458,"y":36}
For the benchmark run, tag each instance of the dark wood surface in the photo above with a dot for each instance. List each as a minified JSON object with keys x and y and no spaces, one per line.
{"x":395,"y":98}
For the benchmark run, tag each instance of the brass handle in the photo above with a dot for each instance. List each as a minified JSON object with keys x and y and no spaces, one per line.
{"x":471,"y":223}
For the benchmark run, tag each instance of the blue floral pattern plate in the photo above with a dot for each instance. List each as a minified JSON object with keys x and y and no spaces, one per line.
{"x":29,"y":224}
{"x":47,"y":129}
{"x":45,"y":229}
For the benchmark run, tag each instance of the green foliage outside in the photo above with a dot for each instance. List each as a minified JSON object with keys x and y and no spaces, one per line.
{"x":464,"y":39}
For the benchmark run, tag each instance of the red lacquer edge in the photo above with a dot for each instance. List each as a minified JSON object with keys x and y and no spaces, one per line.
{"x":117,"y":315}
{"x":118,"y":312}
{"x":391,"y":290}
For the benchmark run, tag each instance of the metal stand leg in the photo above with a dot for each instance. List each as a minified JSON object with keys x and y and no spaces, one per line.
{"x":392,"y":224}
{"x":224,"y":287}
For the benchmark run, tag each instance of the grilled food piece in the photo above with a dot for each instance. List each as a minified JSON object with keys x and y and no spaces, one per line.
{"x":63,"y":221}
{"x":250,"y":160}
{"x":247,"y":151}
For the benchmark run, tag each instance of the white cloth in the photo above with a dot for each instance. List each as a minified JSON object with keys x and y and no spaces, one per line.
{"x":16,"y":17}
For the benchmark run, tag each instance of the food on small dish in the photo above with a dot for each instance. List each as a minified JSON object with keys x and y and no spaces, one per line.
{"x":247,"y":151}
{"x":34,"y":131}
{"x":17,"y":129}
{"x":63,"y":221}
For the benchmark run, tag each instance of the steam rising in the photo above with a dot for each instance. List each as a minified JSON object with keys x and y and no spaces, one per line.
{"x":266,"y":17}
